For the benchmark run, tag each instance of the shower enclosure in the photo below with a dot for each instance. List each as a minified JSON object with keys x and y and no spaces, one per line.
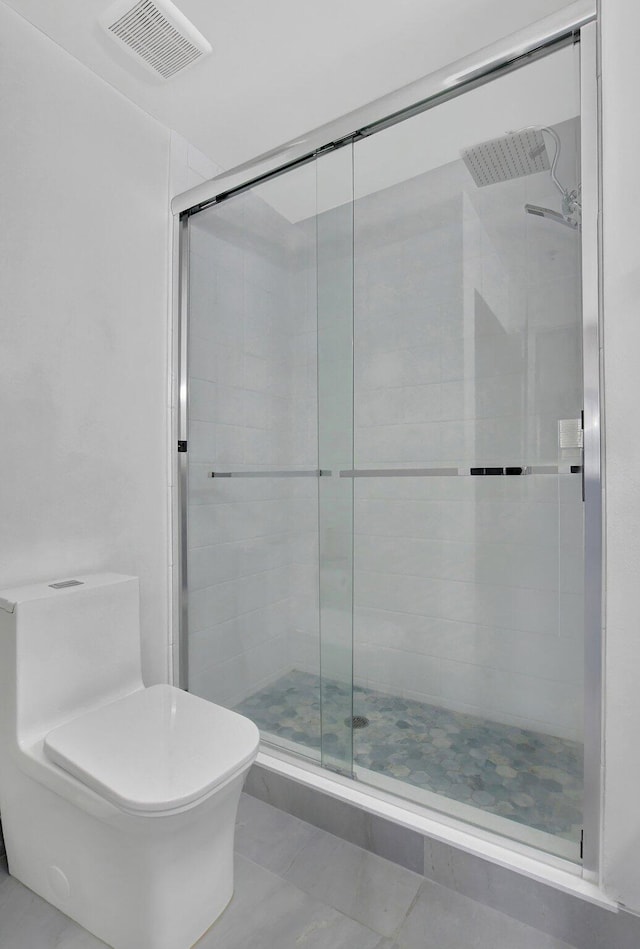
{"x":383,"y":496}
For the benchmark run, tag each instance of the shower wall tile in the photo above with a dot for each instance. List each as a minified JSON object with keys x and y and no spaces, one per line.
{"x":504,"y":650}
{"x":226,"y":683}
{"x":400,"y":444}
{"x":238,"y":636}
{"x":222,"y":561}
{"x":399,"y":555}
{"x":409,"y":594}
{"x":500,"y":521}
{"x":203,"y":441}
{"x":400,"y":405}
{"x":215,"y":645}
{"x":419,"y":675}
{"x":304,"y":651}
{"x":377,"y":368}
{"x":398,"y":517}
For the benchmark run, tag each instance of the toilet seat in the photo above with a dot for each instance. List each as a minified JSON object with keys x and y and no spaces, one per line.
{"x":157,"y":750}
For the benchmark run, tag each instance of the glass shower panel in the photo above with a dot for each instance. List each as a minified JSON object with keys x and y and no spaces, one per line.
{"x":468,"y":633}
{"x":334,"y":224}
{"x":253,"y":615}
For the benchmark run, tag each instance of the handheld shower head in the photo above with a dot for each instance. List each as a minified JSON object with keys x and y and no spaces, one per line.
{"x":551,"y":215}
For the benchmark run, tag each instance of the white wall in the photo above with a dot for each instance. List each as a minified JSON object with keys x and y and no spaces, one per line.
{"x":83,"y":360}
{"x":621,"y":214}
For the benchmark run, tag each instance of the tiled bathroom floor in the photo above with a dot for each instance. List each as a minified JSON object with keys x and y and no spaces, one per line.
{"x":298,"y":887}
{"x":528,"y":777}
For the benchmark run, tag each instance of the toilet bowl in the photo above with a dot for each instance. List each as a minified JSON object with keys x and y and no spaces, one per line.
{"x":118,"y":802}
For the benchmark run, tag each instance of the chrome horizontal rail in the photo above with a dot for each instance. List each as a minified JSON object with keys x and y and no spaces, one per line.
{"x":399,"y":473}
{"x":460,"y":472}
{"x":487,"y":470}
{"x":288,"y":473}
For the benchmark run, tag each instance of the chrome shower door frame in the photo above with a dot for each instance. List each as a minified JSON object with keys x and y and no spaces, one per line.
{"x":181,"y":337}
{"x":593,"y":448}
{"x":576,"y":22}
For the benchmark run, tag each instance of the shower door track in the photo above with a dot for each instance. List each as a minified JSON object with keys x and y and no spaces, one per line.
{"x":513,"y":52}
{"x":469,"y":79}
{"x":575,"y":23}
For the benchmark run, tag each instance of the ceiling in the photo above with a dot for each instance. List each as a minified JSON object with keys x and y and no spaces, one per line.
{"x":280,"y":68}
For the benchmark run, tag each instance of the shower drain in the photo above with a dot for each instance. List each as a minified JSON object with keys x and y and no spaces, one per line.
{"x":358,"y":721}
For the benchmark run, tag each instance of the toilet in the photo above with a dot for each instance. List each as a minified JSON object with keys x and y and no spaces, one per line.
{"x":118,"y":802}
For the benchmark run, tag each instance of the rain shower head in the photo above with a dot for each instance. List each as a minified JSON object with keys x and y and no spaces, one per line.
{"x":511,"y":156}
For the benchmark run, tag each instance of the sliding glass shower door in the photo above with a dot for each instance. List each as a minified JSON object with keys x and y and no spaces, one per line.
{"x":468,"y":527}
{"x":385,"y":517}
{"x":253,"y":458}
{"x":270,"y":534}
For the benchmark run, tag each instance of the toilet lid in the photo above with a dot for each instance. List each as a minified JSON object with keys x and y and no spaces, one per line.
{"x":157,"y":749}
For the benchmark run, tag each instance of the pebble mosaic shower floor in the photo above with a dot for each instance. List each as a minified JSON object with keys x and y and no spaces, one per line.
{"x":525,"y":776}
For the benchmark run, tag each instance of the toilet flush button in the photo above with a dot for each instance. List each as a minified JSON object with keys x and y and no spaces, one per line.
{"x":61,"y":584}
{"x":59,"y":883}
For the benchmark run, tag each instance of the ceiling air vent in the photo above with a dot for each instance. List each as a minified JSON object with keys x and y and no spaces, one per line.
{"x":157,"y":34}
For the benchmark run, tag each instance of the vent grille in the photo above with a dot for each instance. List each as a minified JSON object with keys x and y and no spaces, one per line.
{"x":160,"y":35}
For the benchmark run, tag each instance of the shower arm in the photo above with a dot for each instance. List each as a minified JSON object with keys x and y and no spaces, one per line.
{"x":570,"y":199}
{"x":554,"y":164}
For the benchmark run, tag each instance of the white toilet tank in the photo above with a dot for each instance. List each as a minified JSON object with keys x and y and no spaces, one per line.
{"x":65,"y":647}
